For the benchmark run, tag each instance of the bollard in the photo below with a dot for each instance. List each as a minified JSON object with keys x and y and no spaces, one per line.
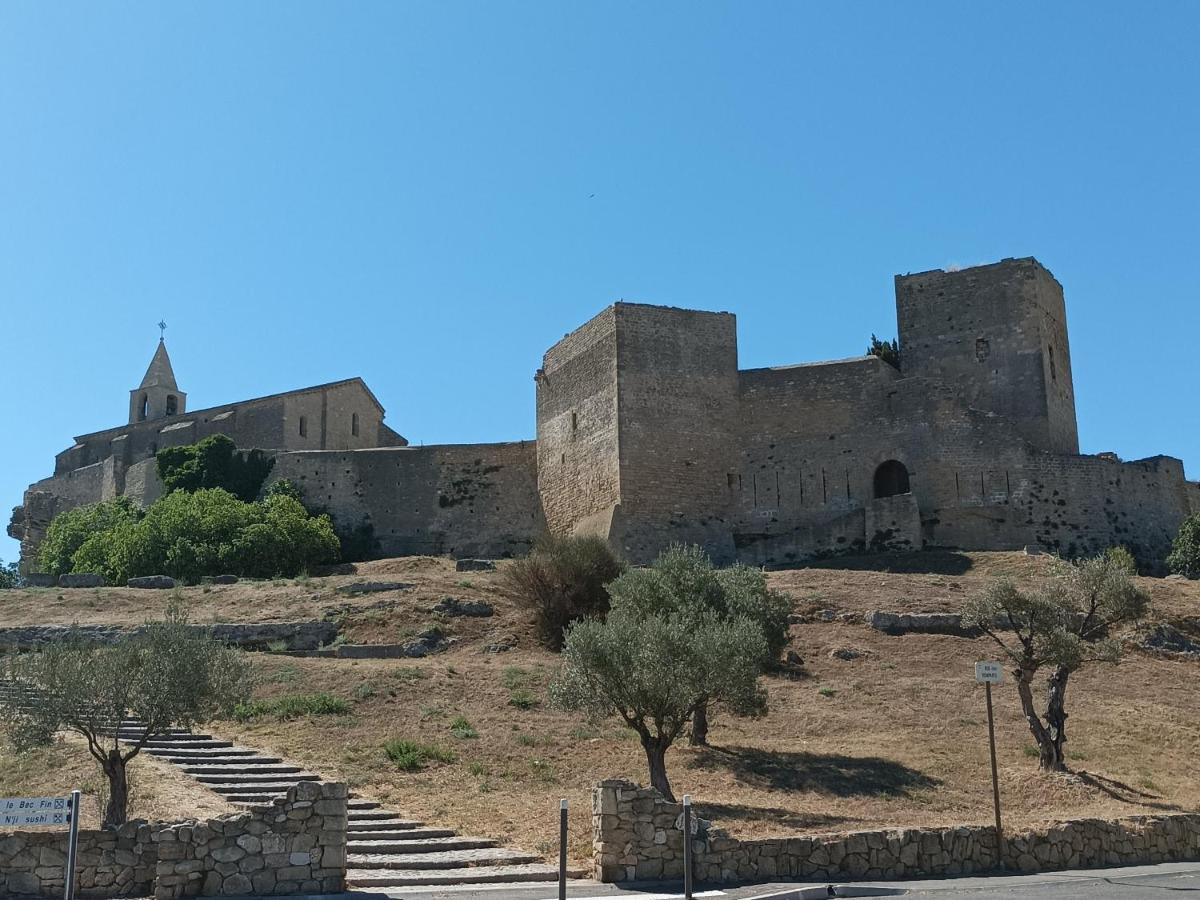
{"x":687,"y":847}
{"x":562,"y":849}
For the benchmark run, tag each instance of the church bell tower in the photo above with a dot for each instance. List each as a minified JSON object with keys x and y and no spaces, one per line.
{"x":158,"y":396}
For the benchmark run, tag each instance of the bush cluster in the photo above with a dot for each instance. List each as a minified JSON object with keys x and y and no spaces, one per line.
{"x":214,"y":462}
{"x":561,"y":581}
{"x":189,"y":535}
{"x":1185,"y":551}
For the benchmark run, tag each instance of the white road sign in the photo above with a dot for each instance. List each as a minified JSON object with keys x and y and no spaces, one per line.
{"x":990,"y":672}
{"x":35,"y":811}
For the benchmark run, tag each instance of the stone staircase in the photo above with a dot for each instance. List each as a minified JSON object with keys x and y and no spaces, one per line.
{"x":383,"y":849}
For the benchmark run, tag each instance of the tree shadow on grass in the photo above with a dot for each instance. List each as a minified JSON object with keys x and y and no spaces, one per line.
{"x":826,"y":773}
{"x":920,"y":562}
{"x":727,"y":814}
{"x":1118,"y":790}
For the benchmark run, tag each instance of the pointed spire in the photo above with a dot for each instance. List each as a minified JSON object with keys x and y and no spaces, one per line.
{"x":160,"y":373}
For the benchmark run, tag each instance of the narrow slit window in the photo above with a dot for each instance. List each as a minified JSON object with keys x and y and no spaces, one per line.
{"x":1053,"y":367}
{"x":354,"y":424}
{"x":303,"y":427}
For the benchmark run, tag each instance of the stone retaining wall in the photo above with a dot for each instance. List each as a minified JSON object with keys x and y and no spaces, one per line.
{"x":637,"y":835}
{"x":295,"y":845}
{"x":111,"y":863}
{"x":247,"y":635}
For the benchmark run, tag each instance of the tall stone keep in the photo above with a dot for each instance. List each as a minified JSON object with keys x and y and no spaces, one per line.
{"x":637,"y":429}
{"x":158,"y":396}
{"x":998,"y":335}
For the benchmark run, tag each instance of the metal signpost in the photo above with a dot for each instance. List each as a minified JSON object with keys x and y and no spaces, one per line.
{"x":687,"y":847}
{"x":992,"y":673}
{"x":562,"y":849}
{"x":18,"y":811}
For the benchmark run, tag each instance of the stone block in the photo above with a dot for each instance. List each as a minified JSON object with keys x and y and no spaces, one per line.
{"x":81,"y":580}
{"x":152,"y":582}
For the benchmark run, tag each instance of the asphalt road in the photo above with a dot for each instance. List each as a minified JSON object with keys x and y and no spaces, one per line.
{"x":1168,"y":880}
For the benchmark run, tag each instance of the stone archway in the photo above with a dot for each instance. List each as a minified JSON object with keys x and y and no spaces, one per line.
{"x":891,"y":478}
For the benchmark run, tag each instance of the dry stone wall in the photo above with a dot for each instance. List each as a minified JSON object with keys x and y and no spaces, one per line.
{"x":637,"y":835}
{"x":111,"y":863}
{"x":296,"y":845}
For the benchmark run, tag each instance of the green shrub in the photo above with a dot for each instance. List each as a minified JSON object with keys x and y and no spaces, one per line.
{"x":888,"y":351}
{"x":522,"y":699}
{"x":411,"y":756}
{"x":462,"y":729}
{"x":292,"y":706}
{"x":1185,"y":550}
{"x":71,"y":530}
{"x":214,"y":463}
{"x":561,"y":581}
{"x":9,"y":576}
{"x":1122,"y":559}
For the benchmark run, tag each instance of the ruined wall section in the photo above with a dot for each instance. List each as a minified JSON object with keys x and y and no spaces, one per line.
{"x":998,"y":334}
{"x":461,"y":500}
{"x":578,"y":467}
{"x":677,"y":417}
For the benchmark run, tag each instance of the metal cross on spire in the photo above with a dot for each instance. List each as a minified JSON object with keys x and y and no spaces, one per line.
{"x":162,"y":330}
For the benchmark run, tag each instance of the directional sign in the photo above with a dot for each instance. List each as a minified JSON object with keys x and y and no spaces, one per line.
{"x":989,"y":672}
{"x":16,"y":811}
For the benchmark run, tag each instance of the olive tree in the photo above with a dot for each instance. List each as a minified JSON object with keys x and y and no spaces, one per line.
{"x":1062,"y":625}
{"x":682,"y":581}
{"x":166,"y":674}
{"x":655,"y":670}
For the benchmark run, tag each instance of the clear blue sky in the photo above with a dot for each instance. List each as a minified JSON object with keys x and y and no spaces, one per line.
{"x":430,"y":194}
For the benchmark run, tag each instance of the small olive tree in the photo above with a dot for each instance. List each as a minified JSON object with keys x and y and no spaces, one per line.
{"x":654,"y":671}
{"x":1185,"y":549}
{"x":1062,"y":625}
{"x":682,"y":581}
{"x":167,"y":674}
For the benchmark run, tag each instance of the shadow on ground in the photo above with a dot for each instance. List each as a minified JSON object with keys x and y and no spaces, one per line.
{"x":841,"y":776}
{"x":923,"y":562}
{"x":724,"y":815}
{"x":1118,"y":790}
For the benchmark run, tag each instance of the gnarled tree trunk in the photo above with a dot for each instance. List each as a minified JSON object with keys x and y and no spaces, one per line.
{"x":699,"y":733}
{"x":117,"y":811}
{"x":656,"y":758}
{"x":1050,"y":735}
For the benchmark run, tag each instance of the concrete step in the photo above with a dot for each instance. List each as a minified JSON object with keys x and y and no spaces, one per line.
{"x":382,"y":825}
{"x":232,"y":778}
{"x":358,"y":803}
{"x":255,"y":787}
{"x":252,"y":799}
{"x":354,"y":838}
{"x":371,"y":815}
{"x":207,"y":744}
{"x":215,"y":758}
{"x":364,"y":878}
{"x":241,"y":768}
{"x":428,"y":845}
{"x":450,"y":859}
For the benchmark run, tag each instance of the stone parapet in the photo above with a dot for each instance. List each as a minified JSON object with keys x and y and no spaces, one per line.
{"x":637,"y":835}
{"x":111,"y":862}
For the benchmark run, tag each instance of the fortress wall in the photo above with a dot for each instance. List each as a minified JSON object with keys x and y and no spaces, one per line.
{"x":990,"y":332}
{"x":577,"y":458}
{"x":461,"y":500}
{"x":677,"y":384}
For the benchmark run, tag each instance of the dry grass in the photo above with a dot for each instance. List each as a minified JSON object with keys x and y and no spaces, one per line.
{"x":894,"y":737}
{"x":158,"y":791}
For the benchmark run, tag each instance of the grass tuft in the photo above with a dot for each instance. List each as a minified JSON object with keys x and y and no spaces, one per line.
{"x":292,"y":706}
{"x":411,"y":756}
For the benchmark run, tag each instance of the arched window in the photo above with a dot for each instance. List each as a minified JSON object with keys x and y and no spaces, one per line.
{"x":354,"y":424}
{"x":891,"y":478}
{"x":303,"y":427}
{"x":172,"y":404}
{"x":143,"y":408}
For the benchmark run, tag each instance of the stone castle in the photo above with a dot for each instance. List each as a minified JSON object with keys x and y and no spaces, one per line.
{"x":648,"y":433}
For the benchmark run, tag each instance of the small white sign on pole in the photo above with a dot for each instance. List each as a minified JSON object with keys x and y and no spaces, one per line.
{"x":989,"y":672}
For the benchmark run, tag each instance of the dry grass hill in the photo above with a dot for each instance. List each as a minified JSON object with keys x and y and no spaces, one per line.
{"x":895,"y":735}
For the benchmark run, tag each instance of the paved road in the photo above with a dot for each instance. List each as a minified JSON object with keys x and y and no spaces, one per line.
{"x":1168,"y":880}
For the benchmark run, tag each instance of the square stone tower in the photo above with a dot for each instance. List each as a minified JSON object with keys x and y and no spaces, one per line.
{"x":998,"y":334}
{"x":637,"y":415}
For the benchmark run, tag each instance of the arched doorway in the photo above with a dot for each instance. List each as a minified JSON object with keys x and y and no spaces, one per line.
{"x":891,"y":478}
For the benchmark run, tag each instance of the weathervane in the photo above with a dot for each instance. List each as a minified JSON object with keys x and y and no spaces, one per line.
{"x":162,"y":330}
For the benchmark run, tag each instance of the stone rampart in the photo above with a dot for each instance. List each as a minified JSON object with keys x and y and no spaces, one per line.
{"x":637,"y":835}
{"x":295,"y":845}
{"x":247,"y":635}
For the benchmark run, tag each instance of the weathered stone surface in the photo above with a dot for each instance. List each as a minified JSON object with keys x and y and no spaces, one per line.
{"x":247,"y":635}
{"x":41,"y":579}
{"x":81,"y":580}
{"x":920,"y":623}
{"x":1169,"y":639}
{"x":373,"y":587}
{"x":474,"y":565}
{"x":152,"y":582}
{"x":453,"y":606}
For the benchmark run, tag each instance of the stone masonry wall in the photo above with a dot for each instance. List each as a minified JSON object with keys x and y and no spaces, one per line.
{"x":111,"y":863}
{"x":637,"y":835}
{"x":296,"y":845}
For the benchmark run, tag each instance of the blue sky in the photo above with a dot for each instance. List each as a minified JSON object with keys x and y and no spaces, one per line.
{"x":430,"y":194}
